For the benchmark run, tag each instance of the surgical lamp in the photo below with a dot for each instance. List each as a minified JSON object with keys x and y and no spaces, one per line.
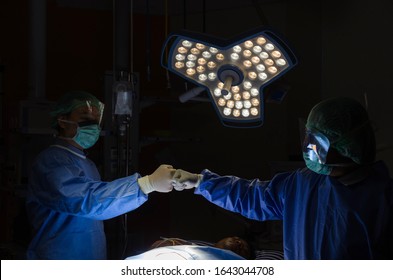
{"x":234,"y":72}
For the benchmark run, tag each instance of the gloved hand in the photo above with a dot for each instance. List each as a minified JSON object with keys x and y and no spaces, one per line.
{"x":160,"y":180}
{"x":186,"y":180}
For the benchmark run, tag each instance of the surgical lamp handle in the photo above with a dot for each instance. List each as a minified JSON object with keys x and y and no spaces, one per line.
{"x":227,"y":85}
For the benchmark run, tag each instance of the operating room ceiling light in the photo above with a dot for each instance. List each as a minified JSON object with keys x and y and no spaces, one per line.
{"x":234,"y":72}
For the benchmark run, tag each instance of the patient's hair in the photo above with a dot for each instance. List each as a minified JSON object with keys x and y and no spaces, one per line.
{"x":170,"y":242}
{"x":236,"y":245}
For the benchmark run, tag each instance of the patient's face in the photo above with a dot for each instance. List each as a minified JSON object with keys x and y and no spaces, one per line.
{"x":236,"y":245}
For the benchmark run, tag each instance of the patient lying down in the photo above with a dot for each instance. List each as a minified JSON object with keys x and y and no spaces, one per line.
{"x":229,"y":248}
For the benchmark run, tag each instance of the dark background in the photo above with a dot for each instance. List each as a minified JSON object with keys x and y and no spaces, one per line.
{"x":343,"y":49}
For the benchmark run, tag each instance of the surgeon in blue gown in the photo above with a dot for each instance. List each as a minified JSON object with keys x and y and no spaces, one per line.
{"x":67,"y":201}
{"x":339,"y":207}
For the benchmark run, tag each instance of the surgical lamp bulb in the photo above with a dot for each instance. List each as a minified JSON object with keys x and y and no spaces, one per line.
{"x":221,"y":102}
{"x":261,"y":41}
{"x":201,"y":61}
{"x":237,"y":49}
{"x":246,"y":95}
{"x":200,"y":46}
{"x":191,"y":57}
{"x":245,"y":113}
{"x":179,"y":64}
{"x":238,"y":104}
{"x":269,"y":62}
{"x":202,"y":77}
{"x":187,"y":44}
{"x":230,"y":103}
{"x":220,"y":57}
{"x":248,"y":44}
{"x":255,"y":59}
{"x":190,"y":71}
{"x":262,"y":76}
{"x":234,"y":56}
{"x":213,"y":50}
{"x":254,"y":111}
{"x":254,"y":92}
{"x":195,"y":51}
{"x":212,"y":76}
{"x":206,"y":54}
{"x":220,"y":85}
{"x":247,"y":85}
{"x":281,"y":62}
{"x":260,"y":67}
{"x":217,"y":92}
{"x":236,"y":113}
{"x":252,"y":75}
{"x":200,"y":69}
{"x":257,"y":49}
{"x":237,"y":96}
{"x":182,"y":50}
{"x":276,"y":54}
{"x":247,"y":53}
{"x":272,"y":70}
{"x":227,"y":111}
{"x":235,"y":89}
{"x":180,"y":57}
{"x":255,"y":102}
{"x":247,"y":63}
{"x":247,"y":104}
{"x":190,"y":64}
{"x":269,"y":47}
{"x":263,"y":55}
{"x":211,"y":64}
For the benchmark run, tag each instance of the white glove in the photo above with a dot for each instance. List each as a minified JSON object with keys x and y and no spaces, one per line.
{"x":186,"y":180}
{"x":160,"y":180}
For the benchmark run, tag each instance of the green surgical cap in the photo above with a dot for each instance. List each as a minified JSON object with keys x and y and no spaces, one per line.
{"x":73,"y":100}
{"x":346,"y":124}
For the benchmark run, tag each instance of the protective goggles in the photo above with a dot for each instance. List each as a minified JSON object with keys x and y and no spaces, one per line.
{"x":83,"y":123}
{"x":316,"y":145}
{"x":87,"y":123}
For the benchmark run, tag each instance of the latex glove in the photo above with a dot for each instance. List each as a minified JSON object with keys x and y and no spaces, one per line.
{"x":160,"y":180}
{"x":186,"y":180}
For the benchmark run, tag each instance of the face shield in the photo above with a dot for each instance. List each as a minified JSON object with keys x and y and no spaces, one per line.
{"x":316,"y":145}
{"x":94,"y":111}
{"x":89,"y":107}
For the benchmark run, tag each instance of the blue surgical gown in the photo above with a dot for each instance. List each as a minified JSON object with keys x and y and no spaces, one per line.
{"x":67,"y":203}
{"x":322,"y":218}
